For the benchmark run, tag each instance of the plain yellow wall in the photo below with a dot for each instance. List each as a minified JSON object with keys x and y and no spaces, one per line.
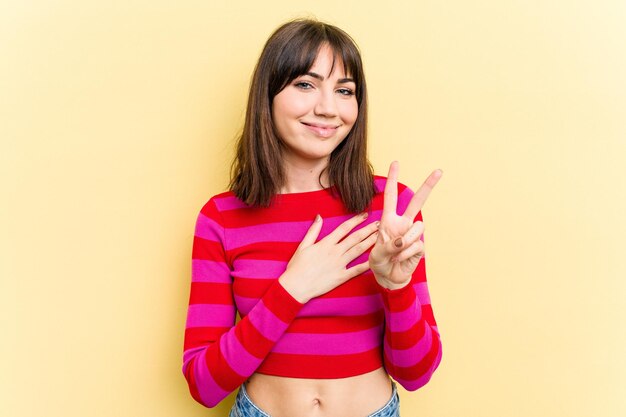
{"x":117,"y":124}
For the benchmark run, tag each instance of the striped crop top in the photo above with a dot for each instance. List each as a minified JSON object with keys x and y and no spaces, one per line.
{"x":238,"y":254}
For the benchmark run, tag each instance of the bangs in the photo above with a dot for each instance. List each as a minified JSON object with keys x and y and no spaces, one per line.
{"x":298,"y":56}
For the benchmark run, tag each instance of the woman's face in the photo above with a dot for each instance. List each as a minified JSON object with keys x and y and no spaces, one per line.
{"x":316,"y":111}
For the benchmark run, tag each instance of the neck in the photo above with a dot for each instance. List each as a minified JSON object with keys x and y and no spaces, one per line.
{"x":302,"y":178}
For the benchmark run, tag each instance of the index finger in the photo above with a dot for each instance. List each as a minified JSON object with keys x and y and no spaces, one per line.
{"x":390,"y":200}
{"x":420,"y":196}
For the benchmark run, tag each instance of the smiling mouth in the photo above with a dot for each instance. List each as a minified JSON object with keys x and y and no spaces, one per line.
{"x":324,"y":131}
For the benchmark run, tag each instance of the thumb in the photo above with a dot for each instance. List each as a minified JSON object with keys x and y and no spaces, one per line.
{"x":312,"y":234}
{"x":394,"y":246}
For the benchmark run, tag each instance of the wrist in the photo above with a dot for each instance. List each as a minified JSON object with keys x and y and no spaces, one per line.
{"x":297,"y":293}
{"x":390,"y":285}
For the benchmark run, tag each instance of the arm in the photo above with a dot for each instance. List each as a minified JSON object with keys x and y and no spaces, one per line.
{"x":219,"y":355}
{"x":412,"y":347}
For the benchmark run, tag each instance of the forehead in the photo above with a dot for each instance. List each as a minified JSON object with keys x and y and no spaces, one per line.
{"x":329,"y":62}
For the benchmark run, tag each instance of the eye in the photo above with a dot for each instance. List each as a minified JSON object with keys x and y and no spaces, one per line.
{"x":304,"y":85}
{"x":345,"y":92}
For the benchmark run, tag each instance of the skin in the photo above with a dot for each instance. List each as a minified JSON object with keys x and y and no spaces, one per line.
{"x":313,"y":115}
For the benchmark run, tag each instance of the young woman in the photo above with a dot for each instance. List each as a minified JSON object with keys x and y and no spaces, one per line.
{"x":322,"y":260}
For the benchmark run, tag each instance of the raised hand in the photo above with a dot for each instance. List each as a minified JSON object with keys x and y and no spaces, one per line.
{"x":317,"y":268}
{"x":398,"y":248}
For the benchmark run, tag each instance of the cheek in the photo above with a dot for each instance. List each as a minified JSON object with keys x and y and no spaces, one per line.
{"x":287,"y":105}
{"x":350,"y":112}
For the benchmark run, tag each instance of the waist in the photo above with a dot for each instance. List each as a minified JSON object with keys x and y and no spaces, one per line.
{"x":358,"y":395}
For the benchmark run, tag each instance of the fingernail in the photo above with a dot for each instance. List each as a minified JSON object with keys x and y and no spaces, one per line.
{"x":377,"y":224}
{"x":398,"y":242}
{"x":318,"y":218}
{"x":364,"y":215}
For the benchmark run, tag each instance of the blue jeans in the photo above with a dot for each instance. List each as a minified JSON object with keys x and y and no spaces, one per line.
{"x":244,"y":407}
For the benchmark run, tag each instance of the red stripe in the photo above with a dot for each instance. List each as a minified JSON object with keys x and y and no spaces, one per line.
{"x":202,"y":336}
{"x":191,"y":381}
{"x":328,"y":207}
{"x":320,"y":366}
{"x":252,"y":287}
{"x":220,"y":370}
{"x":207,"y":249}
{"x":427,"y":314}
{"x":252,"y":340}
{"x":251,"y":217}
{"x":281,"y":303}
{"x":269,"y":251}
{"x":210,"y":293}
{"x":336,"y":325}
{"x":408,"y":338}
{"x":418,"y":370}
{"x":363,"y":284}
{"x":398,"y":300}
{"x":210,"y":210}
{"x":419,"y":275}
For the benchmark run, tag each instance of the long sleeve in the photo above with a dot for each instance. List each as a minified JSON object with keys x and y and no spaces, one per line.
{"x":411,"y":345}
{"x":219,"y":355}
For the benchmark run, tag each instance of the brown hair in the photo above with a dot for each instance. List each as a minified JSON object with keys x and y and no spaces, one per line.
{"x":290,"y":52}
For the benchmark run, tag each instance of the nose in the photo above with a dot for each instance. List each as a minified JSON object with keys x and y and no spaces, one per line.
{"x":326,"y":105}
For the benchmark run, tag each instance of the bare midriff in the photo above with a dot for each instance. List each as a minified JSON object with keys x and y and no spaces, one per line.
{"x":357,"y":396}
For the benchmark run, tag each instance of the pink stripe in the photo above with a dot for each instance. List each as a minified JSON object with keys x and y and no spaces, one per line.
{"x":344,"y":306}
{"x":189,"y":354}
{"x":423,"y":380}
{"x":329,"y":344}
{"x":380,"y":184}
{"x":266,"y":322}
{"x":237,"y":357}
{"x":404,"y":198}
{"x":269,"y":232}
{"x":411,"y":356}
{"x":402,"y":321}
{"x":358,"y":260}
{"x":210,"y":315}
{"x":229,"y":203}
{"x":208,"y":229}
{"x":210,"y":271}
{"x":253,"y":268}
{"x":210,"y":392}
{"x":286,"y":231}
{"x":421,"y":290}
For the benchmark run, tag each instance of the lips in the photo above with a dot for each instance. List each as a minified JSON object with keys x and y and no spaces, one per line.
{"x":323,"y":130}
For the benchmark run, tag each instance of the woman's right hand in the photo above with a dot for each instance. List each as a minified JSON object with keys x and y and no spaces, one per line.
{"x":317,"y":268}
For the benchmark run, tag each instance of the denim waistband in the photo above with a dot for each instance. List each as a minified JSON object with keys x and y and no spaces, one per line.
{"x":244,"y":407}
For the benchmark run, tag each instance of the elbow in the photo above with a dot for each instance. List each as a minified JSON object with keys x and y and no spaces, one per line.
{"x":202,"y":386}
{"x":207,"y":399}
{"x":415,"y":377}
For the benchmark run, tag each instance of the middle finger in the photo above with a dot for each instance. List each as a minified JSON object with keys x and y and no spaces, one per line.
{"x":357,"y":237}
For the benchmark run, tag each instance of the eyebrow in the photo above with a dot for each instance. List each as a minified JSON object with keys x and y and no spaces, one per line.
{"x":321,"y":78}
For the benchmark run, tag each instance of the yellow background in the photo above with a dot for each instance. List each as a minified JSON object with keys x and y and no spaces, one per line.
{"x":118,"y":122}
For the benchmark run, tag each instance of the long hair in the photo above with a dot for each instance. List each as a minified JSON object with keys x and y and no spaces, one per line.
{"x":257,"y":172}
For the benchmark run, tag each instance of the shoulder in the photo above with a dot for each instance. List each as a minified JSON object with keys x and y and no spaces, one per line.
{"x":222,"y":202}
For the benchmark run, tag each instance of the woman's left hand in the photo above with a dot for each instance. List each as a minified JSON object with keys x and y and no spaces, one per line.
{"x":399,"y":249}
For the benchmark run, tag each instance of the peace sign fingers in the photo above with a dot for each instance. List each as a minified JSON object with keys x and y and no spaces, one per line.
{"x":420,"y":196}
{"x":390,"y":200}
